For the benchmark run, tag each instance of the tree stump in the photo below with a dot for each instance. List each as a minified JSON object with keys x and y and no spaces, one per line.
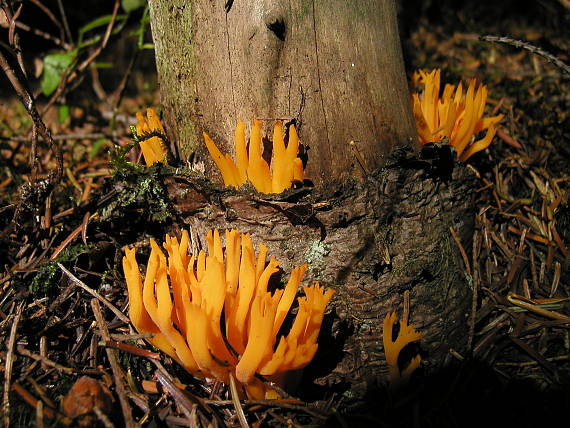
{"x":377,"y":223}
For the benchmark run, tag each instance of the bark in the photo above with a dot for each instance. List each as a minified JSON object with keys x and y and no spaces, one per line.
{"x":336,"y":68}
{"x":371,"y":241}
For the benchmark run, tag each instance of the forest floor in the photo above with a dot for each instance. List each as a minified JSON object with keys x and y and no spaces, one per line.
{"x":60,"y":256}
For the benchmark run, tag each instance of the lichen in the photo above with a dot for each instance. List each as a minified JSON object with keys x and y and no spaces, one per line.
{"x":316,"y":253}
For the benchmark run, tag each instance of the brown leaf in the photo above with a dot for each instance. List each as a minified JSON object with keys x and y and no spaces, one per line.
{"x":86,"y":394}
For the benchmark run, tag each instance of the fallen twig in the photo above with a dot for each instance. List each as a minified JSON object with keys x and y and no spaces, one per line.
{"x":44,"y":360}
{"x":117,"y":371}
{"x":10,"y":357}
{"x":531,"y":48}
{"x":80,"y":283}
{"x":33,"y":401}
{"x":28,"y":102}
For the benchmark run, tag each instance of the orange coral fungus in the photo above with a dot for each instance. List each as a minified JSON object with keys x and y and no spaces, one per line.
{"x":152,"y":148}
{"x":454,"y":116}
{"x":286,"y":167}
{"x":407,"y":334}
{"x":214,"y":314}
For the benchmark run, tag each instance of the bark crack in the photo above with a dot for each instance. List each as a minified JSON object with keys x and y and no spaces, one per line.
{"x":319,"y":80}
{"x":231,"y":66}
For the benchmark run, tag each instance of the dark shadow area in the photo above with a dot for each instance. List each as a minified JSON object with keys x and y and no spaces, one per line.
{"x":328,"y":356}
{"x":468,"y":394}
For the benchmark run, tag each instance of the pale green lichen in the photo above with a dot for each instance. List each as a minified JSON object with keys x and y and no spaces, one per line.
{"x":316,"y":253}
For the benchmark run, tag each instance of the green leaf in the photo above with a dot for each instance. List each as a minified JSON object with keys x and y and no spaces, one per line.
{"x":96,"y":147}
{"x":99,"y":22}
{"x":54,"y":66}
{"x":130,"y":5}
{"x":62,"y":113}
{"x":96,"y":23}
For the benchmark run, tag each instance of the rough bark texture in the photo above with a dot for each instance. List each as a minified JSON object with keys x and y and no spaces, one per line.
{"x":371,"y":241}
{"x":334,"y":66}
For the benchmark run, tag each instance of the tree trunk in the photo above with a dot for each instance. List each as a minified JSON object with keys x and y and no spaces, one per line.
{"x":372,"y":231}
{"x":334,"y":66}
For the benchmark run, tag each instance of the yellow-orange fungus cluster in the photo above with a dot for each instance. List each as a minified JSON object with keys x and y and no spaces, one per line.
{"x":406,"y":334}
{"x":214,"y":314}
{"x":286,"y":167}
{"x":152,"y":148}
{"x":455,"y":116}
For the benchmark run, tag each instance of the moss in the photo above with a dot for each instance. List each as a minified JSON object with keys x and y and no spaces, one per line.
{"x":46,"y":280}
{"x":141,"y":190}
